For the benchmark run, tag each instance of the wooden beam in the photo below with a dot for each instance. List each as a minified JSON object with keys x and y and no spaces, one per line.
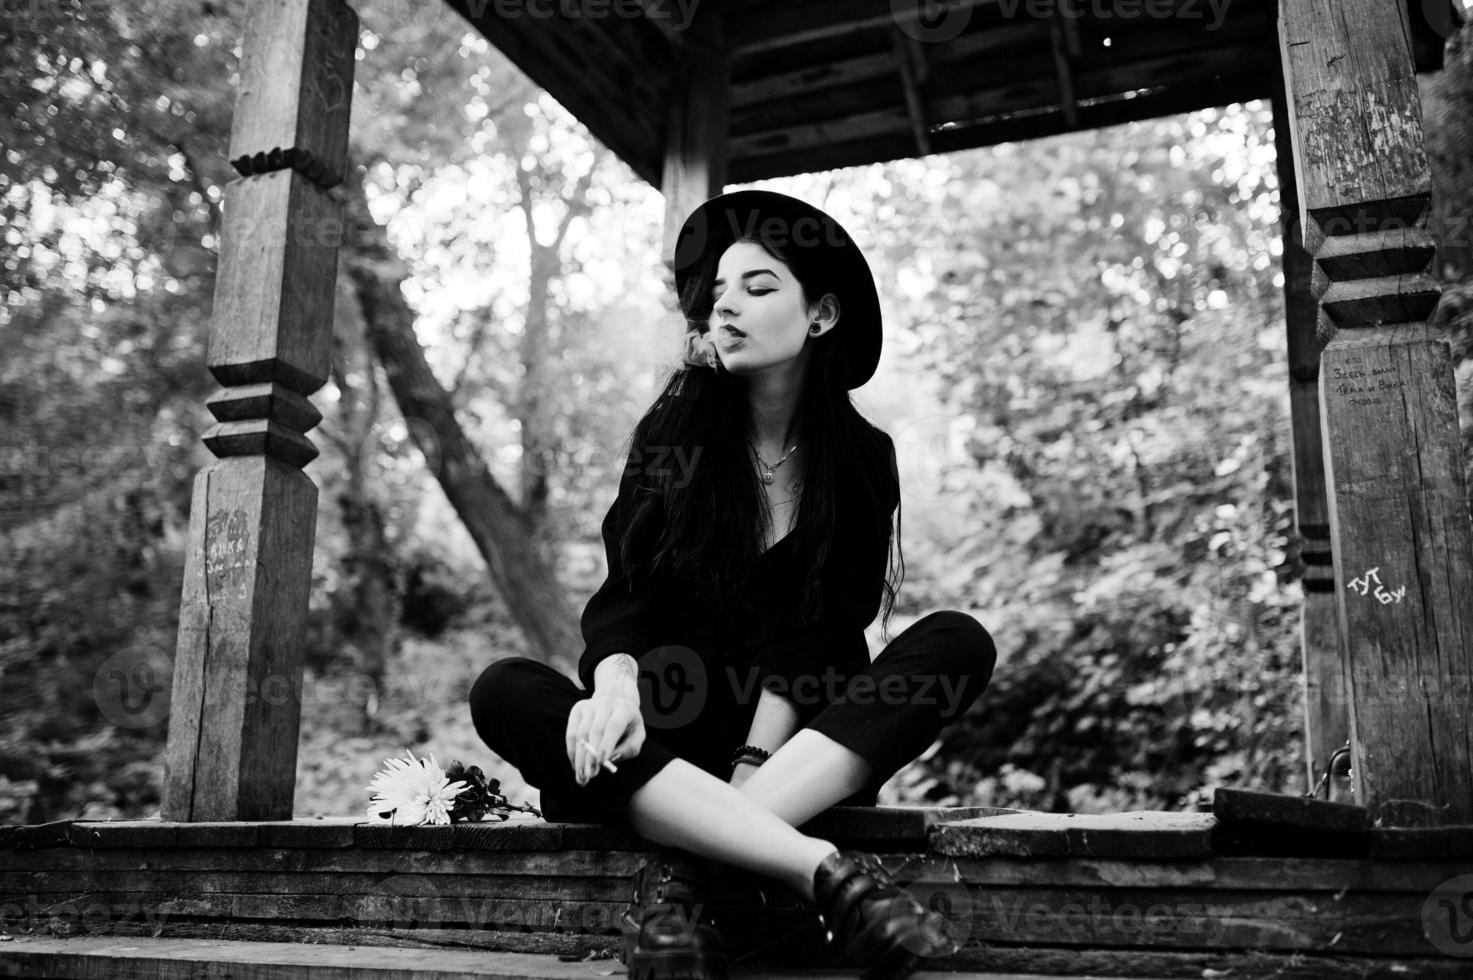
{"x":1326,"y":715}
{"x":1119,"y":895}
{"x":797,"y":24}
{"x":1182,"y":68}
{"x":911,"y":62}
{"x":1398,"y":499}
{"x":1191,"y":71}
{"x":696,"y":126}
{"x":664,"y":17}
{"x":1064,"y":40}
{"x":1139,"y":834}
{"x":878,"y":65}
{"x":803,"y":23}
{"x":294,"y":126}
{"x":234,"y":718}
{"x":895,"y":143}
{"x":1006,"y":69}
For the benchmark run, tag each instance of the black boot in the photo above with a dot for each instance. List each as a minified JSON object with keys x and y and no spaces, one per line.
{"x":664,"y":935}
{"x":877,"y":924}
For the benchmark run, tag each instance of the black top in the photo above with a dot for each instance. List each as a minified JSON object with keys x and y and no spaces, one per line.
{"x":623,"y":619}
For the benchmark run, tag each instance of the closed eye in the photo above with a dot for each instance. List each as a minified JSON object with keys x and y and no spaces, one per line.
{"x":746,"y":277}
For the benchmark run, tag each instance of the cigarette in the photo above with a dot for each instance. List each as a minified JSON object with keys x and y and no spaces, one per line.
{"x":603,"y":762}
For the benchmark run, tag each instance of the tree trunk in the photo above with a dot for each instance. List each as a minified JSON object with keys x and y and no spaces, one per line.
{"x":501,"y":532}
{"x":531,"y":408}
{"x":1447,"y":111}
{"x":369,"y":563}
{"x":531,"y":412}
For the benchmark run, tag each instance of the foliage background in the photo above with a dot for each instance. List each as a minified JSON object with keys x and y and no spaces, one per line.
{"x":1084,"y":374}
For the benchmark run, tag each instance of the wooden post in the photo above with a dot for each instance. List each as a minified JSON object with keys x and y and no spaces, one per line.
{"x":1326,"y":716}
{"x":696,"y":122}
{"x":1398,"y":501}
{"x":234,"y":717}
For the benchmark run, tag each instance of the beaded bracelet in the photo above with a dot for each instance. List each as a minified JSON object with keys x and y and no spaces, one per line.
{"x":750,"y":753}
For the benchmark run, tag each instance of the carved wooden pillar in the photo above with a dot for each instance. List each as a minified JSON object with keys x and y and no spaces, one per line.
{"x":1326,"y":717}
{"x":233,"y":725}
{"x":1398,"y":504}
{"x":696,"y":122}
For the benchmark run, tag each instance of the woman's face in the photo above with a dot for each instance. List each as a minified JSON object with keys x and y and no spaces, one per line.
{"x":759,"y":320}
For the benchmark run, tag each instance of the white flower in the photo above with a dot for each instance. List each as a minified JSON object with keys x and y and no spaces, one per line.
{"x":413,"y":792}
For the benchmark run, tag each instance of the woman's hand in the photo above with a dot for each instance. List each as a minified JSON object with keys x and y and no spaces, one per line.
{"x":609,"y":720}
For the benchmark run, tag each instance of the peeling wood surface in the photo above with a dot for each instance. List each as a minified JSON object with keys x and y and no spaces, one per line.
{"x":559,"y":888}
{"x":1401,"y":540}
{"x":1354,"y":88}
{"x":296,"y":89}
{"x":236,"y":705}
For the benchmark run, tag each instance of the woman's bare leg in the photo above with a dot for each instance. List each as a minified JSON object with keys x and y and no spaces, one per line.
{"x":809,"y":773}
{"x":687,"y":807}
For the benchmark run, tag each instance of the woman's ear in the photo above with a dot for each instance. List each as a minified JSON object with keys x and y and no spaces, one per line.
{"x":824,"y":316}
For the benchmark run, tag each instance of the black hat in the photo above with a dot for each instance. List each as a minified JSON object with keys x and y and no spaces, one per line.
{"x":799,"y":228}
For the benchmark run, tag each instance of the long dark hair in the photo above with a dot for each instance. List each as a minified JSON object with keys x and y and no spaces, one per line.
{"x":714,"y":512}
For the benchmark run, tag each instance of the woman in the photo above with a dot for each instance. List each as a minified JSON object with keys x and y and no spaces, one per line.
{"x":728,"y":693}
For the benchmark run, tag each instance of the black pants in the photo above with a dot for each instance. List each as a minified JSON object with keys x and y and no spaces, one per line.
{"x":888,"y":714}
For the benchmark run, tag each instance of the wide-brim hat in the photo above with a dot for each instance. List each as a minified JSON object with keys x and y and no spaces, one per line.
{"x":797,"y":227}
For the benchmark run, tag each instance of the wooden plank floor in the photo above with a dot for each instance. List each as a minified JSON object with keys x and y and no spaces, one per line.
{"x":110,"y":958}
{"x":1257,"y":892}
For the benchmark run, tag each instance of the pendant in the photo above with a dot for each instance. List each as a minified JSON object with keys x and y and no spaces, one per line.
{"x":768,"y":477}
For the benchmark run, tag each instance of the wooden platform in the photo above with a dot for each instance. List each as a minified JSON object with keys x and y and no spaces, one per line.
{"x":1125,"y":895}
{"x":193,"y":959}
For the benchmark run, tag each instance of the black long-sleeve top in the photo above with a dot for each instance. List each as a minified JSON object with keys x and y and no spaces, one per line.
{"x":634,"y":620}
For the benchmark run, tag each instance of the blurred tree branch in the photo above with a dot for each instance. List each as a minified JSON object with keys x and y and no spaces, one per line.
{"x":501,"y":531}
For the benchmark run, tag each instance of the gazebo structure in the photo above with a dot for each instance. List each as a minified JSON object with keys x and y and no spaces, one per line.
{"x":691,"y":97}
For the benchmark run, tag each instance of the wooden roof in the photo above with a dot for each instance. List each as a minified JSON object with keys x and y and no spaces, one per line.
{"x":816,"y":84}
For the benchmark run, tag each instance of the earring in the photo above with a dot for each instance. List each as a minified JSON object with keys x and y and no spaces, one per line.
{"x":813,"y":327}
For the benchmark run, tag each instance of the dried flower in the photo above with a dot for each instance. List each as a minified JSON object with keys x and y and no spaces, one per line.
{"x":483,"y":798}
{"x":413,"y":792}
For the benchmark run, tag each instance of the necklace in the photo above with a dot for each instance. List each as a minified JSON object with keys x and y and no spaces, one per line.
{"x":771,"y":470}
